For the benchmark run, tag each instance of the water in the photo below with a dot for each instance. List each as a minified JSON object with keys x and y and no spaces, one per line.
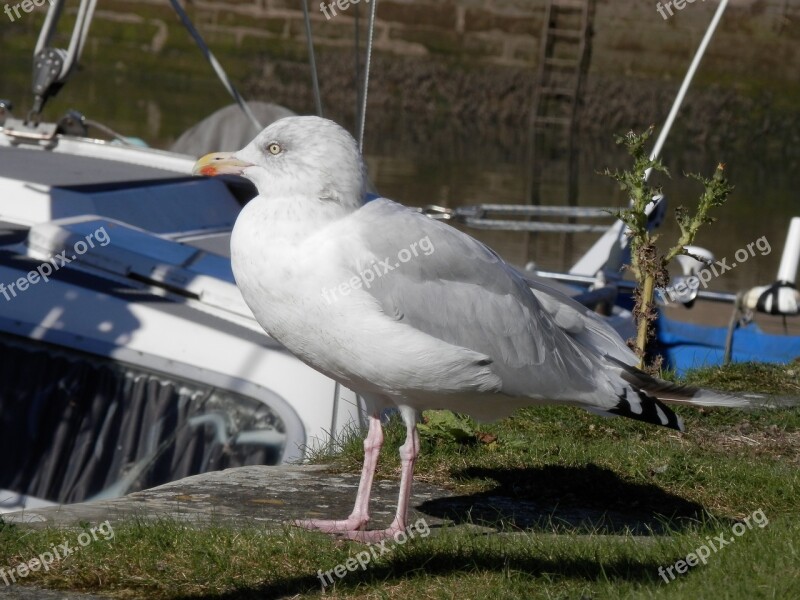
{"x":761,"y":205}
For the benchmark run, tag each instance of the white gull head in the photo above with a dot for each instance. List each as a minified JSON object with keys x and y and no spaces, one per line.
{"x":300,"y":157}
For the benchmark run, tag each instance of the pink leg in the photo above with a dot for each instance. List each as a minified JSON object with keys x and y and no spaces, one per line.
{"x":408,"y":456}
{"x":360,"y":515}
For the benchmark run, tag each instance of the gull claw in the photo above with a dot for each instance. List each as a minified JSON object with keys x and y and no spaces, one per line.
{"x":351,"y":529}
{"x":339,"y":526}
{"x":372,"y":536}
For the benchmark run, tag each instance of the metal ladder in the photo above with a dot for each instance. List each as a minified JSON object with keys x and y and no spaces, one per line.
{"x":560,"y":79}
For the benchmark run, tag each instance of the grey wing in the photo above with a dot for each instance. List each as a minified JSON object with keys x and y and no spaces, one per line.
{"x":454,"y":288}
{"x":580,"y":322}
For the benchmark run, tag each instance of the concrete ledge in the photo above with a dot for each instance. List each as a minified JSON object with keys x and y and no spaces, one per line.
{"x":244,"y":496}
{"x":20,"y":592}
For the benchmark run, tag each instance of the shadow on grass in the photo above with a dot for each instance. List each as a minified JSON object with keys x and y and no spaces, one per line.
{"x":588,"y":499}
{"x":425,"y":565}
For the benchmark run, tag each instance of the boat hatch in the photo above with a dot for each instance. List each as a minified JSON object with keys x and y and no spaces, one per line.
{"x":173,"y":206}
{"x":143,"y":256}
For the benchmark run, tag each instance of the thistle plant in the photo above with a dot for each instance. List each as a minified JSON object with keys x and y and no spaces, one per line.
{"x":648,"y":265}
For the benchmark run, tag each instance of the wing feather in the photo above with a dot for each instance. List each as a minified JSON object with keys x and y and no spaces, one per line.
{"x":461,"y":292}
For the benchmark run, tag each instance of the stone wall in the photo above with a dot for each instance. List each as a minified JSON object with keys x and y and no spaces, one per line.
{"x":469,"y":63}
{"x":507,"y":32}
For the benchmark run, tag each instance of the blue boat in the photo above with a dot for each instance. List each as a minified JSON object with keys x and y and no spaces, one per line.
{"x":685,"y":346}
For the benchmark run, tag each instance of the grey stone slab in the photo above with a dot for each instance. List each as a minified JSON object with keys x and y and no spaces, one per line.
{"x":240,"y":497}
{"x":20,"y":592}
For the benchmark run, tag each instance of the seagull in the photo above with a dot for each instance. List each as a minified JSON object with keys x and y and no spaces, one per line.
{"x":410,"y":312}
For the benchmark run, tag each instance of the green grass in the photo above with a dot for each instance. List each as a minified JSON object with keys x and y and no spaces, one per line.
{"x":665,"y":493}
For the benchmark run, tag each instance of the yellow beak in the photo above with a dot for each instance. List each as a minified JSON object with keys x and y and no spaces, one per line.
{"x":219,"y":163}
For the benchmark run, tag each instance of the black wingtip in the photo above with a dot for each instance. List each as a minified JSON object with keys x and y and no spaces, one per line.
{"x":648,"y":409}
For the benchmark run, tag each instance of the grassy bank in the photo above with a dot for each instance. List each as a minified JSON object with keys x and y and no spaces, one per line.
{"x":661,"y":495}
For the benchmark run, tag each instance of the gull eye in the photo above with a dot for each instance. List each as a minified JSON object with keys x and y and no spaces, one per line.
{"x":274,"y":149}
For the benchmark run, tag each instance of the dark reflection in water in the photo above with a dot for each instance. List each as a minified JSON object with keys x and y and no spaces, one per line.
{"x":761,"y":205}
